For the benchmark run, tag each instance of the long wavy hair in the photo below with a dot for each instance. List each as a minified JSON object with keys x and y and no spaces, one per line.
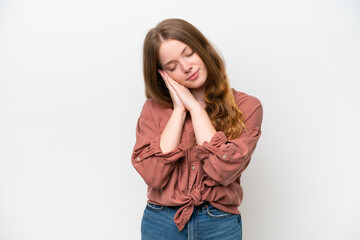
{"x":220,"y":103}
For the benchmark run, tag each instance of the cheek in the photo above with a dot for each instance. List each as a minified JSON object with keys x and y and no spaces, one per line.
{"x":198,"y":61}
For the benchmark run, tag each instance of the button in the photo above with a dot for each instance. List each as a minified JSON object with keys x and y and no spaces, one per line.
{"x":193,"y":168}
{"x":224,"y":156}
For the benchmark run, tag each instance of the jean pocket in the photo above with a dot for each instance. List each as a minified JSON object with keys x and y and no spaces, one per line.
{"x":154,"y":207}
{"x":216,"y":213}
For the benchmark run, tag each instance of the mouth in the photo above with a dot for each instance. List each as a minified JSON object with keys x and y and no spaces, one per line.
{"x":194,"y":75}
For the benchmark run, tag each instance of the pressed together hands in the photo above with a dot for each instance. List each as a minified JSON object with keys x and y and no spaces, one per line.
{"x":181,"y":96}
{"x":184,"y":101}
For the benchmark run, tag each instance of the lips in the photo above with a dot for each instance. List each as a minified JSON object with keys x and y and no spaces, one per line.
{"x":194,"y":75}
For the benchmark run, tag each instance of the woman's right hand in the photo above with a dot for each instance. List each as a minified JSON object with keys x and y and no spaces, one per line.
{"x":178,"y":105}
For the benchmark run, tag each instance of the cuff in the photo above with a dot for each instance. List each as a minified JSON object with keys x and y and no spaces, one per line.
{"x":213,"y":146}
{"x":154,"y":150}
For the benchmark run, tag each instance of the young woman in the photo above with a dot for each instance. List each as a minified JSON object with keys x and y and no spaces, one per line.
{"x":194,"y":137}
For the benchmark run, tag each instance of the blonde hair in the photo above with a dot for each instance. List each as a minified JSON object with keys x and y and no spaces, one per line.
{"x":220,"y":103}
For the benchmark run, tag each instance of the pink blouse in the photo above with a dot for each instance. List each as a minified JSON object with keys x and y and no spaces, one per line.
{"x":189,"y":176}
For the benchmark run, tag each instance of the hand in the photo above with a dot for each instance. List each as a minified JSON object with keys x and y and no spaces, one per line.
{"x":178,"y":105}
{"x":182,"y":93}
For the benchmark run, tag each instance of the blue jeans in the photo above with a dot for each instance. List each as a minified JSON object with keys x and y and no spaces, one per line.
{"x":206,"y":222}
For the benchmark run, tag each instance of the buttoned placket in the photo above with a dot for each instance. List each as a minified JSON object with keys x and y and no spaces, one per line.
{"x":193,"y":164}
{"x":193,"y":172}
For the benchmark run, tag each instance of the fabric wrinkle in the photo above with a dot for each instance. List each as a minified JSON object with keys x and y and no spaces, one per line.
{"x":190,"y":175}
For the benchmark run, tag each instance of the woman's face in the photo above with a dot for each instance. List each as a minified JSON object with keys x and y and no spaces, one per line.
{"x":182,"y":64}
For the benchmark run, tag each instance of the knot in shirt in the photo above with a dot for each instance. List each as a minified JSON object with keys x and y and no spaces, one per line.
{"x":196,"y":197}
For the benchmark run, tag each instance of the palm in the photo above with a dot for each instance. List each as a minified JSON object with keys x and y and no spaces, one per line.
{"x":174,"y":97}
{"x":180,"y":95}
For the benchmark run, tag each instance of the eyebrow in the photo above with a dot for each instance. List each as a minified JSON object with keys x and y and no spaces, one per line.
{"x":173,"y":60}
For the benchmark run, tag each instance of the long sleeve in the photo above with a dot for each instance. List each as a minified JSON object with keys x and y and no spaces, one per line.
{"x":154,"y":166}
{"x":225,"y":159}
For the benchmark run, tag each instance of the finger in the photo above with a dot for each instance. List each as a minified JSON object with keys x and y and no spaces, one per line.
{"x":161,"y":73}
{"x":165,"y":79}
{"x":172,"y":85}
{"x":172,"y":81}
{"x":177,"y":86}
{"x":169,"y":80}
{"x":165,"y":75}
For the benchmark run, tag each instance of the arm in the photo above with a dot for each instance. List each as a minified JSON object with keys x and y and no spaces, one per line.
{"x":203,"y":127}
{"x":170,"y":137}
{"x":154,"y":166}
{"x":184,"y":100}
{"x":225,"y":159}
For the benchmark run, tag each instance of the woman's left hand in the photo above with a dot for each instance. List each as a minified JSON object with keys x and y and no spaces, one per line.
{"x":184,"y":94}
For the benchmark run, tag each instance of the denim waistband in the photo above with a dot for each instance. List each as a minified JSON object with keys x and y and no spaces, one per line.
{"x":202,"y":206}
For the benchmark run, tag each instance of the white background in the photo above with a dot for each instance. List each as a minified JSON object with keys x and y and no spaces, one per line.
{"x":71,"y":90}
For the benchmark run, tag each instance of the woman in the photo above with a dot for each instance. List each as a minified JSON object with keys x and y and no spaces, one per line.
{"x":194,"y":137}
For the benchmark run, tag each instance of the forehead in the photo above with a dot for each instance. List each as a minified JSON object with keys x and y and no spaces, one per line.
{"x":170,"y":50}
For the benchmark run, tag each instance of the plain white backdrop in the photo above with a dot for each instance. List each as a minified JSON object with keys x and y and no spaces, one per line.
{"x":71,"y":90}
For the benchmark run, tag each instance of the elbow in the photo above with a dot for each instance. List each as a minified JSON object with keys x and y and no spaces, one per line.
{"x":224,"y":180}
{"x":149,"y":177}
{"x":150,"y":180}
{"x":221,"y":177}
{"x":225,"y":174}
{"x":153,"y":183}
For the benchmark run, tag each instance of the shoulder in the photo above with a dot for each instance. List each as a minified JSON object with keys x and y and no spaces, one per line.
{"x":245,"y":101}
{"x":248,"y":105}
{"x":152,"y":109}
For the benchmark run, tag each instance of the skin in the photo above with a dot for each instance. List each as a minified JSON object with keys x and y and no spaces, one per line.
{"x":178,"y":63}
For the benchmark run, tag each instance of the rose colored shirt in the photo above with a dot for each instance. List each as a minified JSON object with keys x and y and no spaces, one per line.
{"x":204,"y":173}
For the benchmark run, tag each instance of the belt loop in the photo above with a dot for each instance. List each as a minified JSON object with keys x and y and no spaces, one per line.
{"x":206,"y":204}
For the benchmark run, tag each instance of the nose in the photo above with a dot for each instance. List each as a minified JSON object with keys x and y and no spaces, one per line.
{"x":186,"y":66}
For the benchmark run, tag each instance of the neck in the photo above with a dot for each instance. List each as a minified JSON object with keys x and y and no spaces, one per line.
{"x":199,"y":94}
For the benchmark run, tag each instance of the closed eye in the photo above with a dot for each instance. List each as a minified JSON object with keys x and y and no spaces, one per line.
{"x":172,"y":69}
{"x":189,"y":55}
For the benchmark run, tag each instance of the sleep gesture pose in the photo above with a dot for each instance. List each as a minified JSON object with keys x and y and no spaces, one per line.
{"x":194,"y":137}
